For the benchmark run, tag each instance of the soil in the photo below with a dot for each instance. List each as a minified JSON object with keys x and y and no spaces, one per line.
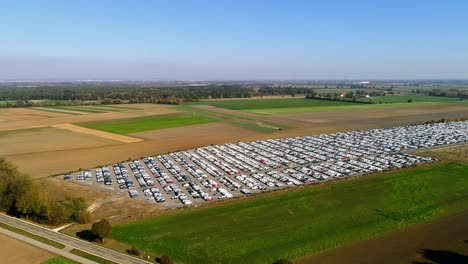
{"x":24,"y":252}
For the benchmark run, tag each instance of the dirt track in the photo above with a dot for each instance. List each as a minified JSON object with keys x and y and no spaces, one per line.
{"x":405,"y":246}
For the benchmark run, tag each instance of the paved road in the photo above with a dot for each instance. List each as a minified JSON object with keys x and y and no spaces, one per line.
{"x":71,"y":241}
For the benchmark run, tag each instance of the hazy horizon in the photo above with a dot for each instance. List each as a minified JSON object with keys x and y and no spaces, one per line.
{"x":233,"y":40}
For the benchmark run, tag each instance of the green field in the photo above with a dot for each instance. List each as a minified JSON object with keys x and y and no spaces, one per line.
{"x":302,"y":221}
{"x":268,"y":103}
{"x":58,"y":260}
{"x":404,"y":99}
{"x":347,"y":106}
{"x":128,"y":126}
{"x":289,"y":106}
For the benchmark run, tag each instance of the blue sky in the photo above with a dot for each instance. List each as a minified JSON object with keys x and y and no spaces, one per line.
{"x":233,"y":39}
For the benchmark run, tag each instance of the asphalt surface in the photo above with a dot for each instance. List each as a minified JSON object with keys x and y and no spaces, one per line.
{"x":71,"y":241}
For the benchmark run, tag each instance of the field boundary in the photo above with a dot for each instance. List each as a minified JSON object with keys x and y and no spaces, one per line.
{"x":107,"y":135}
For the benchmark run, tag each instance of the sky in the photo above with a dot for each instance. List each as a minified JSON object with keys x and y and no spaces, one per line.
{"x":233,"y":40}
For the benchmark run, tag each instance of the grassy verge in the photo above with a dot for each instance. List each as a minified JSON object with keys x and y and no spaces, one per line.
{"x":59,"y":260}
{"x":91,"y":257}
{"x":135,"y":125}
{"x":33,"y":236}
{"x":299,"y":222}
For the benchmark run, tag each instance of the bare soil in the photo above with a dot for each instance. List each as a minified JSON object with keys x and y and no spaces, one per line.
{"x":48,"y":139}
{"x":18,"y":252}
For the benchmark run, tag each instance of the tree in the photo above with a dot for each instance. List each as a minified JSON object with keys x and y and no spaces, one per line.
{"x":165,"y":260}
{"x":410,"y":100}
{"x":102,"y":229}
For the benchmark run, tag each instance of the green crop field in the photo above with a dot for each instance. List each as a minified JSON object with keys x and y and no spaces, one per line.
{"x":300,"y":222}
{"x":128,"y":126}
{"x":268,"y":103}
{"x":415,"y":98}
{"x":346,"y":106}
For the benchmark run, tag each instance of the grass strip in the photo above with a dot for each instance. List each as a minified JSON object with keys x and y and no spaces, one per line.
{"x":59,"y":260}
{"x":91,"y":257}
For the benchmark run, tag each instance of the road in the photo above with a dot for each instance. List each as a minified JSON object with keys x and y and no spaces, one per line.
{"x":71,"y":241}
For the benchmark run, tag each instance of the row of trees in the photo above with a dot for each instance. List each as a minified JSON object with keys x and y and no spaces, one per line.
{"x":79,"y":95}
{"x":20,"y":196}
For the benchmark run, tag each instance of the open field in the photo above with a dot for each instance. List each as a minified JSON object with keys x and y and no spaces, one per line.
{"x":268,"y":103}
{"x":442,"y":240}
{"x":345,"y":107}
{"x":300,"y":105}
{"x":21,"y":118}
{"x":47,"y":139}
{"x":300,"y":222}
{"x":25,"y":253}
{"x":415,"y":98}
{"x":148,"y":123}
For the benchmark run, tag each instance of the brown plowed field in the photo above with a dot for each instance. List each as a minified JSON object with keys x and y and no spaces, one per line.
{"x":445,"y":241}
{"x":48,"y":139}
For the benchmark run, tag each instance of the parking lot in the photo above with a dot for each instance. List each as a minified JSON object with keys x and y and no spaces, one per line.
{"x":223,"y":171}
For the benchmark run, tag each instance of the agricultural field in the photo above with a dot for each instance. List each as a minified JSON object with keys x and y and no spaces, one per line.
{"x":31,"y":140}
{"x":301,"y":105}
{"x":297,"y":223}
{"x":268,"y":103}
{"x":391,"y":99}
{"x":148,"y":123}
{"x":29,"y":253}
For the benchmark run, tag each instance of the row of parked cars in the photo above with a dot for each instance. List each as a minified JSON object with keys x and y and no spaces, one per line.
{"x":223,"y":171}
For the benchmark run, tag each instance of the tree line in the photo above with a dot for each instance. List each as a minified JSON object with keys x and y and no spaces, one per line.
{"x":93,"y":94}
{"x":20,"y":196}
